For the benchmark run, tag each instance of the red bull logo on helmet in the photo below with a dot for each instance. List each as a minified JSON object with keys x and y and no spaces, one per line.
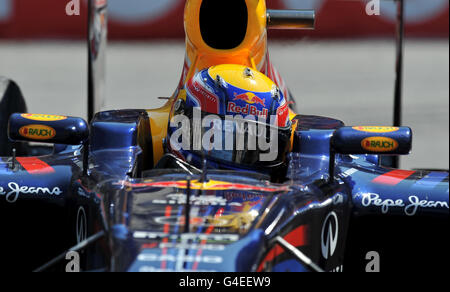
{"x":250,"y":98}
{"x":247,"y":110}
{"x":251,"y":108}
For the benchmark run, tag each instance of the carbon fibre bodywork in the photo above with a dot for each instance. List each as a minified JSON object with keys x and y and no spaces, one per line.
{"x":150,"y":211}
{"x":234,"y":218}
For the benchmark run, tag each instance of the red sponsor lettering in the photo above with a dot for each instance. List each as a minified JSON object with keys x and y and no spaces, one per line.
{"x":208,"y":101}
{"x":247,"y":110}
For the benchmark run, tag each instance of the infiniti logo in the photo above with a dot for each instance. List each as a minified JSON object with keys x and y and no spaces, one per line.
{"x":329,"y":235}
{"x":81,"y":227}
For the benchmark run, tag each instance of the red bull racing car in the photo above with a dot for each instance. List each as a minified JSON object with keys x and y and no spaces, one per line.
{"x":225,"y":177}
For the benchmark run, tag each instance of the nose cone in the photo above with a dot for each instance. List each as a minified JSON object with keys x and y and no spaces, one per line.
{"x":149,"y":230}
{"x":198,"y":253}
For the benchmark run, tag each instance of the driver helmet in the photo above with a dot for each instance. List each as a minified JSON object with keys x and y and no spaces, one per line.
{"x":231,"y":117}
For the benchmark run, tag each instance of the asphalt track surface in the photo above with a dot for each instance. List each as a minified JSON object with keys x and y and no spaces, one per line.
{"x":349,"y":80}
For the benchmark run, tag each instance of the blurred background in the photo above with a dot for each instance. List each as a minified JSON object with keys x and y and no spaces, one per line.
{"x":344,"y":69}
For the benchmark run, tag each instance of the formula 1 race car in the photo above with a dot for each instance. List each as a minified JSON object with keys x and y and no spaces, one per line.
{"x":114,"y":194}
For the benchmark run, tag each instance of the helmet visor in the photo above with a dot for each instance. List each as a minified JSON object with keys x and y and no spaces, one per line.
{"x":244,"y":141}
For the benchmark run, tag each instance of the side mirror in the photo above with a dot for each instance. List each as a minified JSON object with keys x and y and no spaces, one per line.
{"x":48,"y":129}
{"x":369,"y":140}
{"x":372,"y":140}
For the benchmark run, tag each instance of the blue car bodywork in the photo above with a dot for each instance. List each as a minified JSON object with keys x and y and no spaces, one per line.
{"x":108,"y":190}
{"x":235,"y":219}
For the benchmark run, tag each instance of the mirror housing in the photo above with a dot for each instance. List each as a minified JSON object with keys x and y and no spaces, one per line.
{"x":372,"y":140}
{"x":48,"y":129}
